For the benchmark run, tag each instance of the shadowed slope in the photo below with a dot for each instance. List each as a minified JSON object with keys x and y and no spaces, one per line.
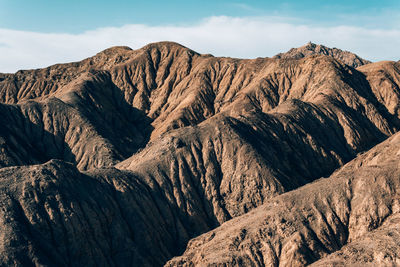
{"x":380,"y":247}
{"x":89,"y":125}
{"x":53,"y":215}
{"x":384,"y":79}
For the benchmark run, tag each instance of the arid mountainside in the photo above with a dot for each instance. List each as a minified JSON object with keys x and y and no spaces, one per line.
{"x":304,"y":225}
{"x":166,"y":86}
{"x":122,"y":158}
{"x":90,"y":125}
{"x":384,"y":81}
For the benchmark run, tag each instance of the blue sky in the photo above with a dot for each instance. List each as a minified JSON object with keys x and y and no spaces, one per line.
{"x":74,"y":16}
{"x":37,"y":33}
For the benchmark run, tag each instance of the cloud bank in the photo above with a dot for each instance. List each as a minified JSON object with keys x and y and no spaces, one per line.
{"x":247,"y":37}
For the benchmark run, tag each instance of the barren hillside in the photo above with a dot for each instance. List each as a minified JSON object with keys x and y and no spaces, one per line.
{"x":122,"y":158}
{"x":353,"y":213}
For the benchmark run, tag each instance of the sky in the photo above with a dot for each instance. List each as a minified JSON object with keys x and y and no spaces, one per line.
{"x":38,"y":33}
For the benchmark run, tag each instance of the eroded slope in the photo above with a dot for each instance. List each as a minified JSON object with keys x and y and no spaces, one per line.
{"x":90,"y":125}
{"x":302,"y":226}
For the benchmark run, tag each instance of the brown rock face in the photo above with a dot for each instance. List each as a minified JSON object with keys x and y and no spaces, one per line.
{"x":122,"y":158}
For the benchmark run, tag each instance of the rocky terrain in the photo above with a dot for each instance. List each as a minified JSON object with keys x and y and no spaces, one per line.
{"x":134,"y":157}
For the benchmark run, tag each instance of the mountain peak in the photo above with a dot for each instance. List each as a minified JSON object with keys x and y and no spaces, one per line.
{"x":114,"y":49}
{"x":310,"y":48}
{"x":167,"y":46}
{"x":162,"y":44}
{"x":117,"y":51}
{"x":310,"y":44}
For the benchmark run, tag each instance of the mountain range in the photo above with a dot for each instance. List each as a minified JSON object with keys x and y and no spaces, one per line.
{"x":164,"y":156}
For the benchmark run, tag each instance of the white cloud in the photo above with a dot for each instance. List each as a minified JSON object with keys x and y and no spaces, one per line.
{"x":246,"y":37}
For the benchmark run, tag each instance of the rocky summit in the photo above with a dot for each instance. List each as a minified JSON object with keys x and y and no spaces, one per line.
{"x":164,"y":156}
